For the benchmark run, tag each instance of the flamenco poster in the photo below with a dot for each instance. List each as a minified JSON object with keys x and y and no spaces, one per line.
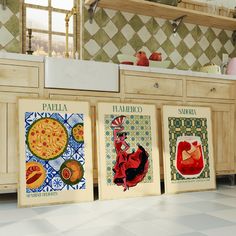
{"x":128,"y":163}
{"x":55,"y":152}
{"x":188,"y":151}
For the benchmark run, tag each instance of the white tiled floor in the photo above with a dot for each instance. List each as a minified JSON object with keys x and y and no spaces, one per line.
{"x":209,"y":213}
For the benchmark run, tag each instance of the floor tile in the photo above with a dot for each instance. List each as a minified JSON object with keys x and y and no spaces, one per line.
{"x":166,"y":211}
{"x":27,"y":228}
{"x":228,"y":201}
{"x":63,"y":210}
{"x":180,"y":198}
{"x":7,"y":205}
{"x":207,"y":195}
{"x":227,"y":190}
{"x":202,"y":221}
{"x":7,"y":215}
{"x":229,"y":215}
{"x":192,"y":234}
{"x":3,"y":224}
{"x":100,"y":231}
{"x":170,"y":226}
{"x":56,"y":233}
{"x":185,"y":214}
{"x":206,"y":206}
{"x":94,"y":219}
{"x":145,"y":228}
{"x":227,"y":231}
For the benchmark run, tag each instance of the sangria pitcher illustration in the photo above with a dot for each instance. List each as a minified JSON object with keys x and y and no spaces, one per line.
{"x":189,"y":157}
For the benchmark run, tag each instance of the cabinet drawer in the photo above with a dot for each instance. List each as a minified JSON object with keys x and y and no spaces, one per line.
{"x":19,"y":76}
{"x":203,"y":89}
{"x":153,"y":86}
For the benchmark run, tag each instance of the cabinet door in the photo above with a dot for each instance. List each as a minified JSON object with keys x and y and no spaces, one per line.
{"x":9,"y":136}
{"x":223,"y":136}
{"x":223,"y":139}
{"x":3,"y":141}
{"x":19,"y":75}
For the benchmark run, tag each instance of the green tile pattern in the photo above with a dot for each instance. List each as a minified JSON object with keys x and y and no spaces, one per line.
{"x":13,"y":5}
{"x":13,"y":25}
{"x":120,"y":41}
{"x":9,"y":27}
{"x":13,"y":46}
{"x":102,"y":37}
{"x":113,"y":32}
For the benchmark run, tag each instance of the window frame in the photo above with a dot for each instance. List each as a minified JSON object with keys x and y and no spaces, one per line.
{"x":76,"y":25}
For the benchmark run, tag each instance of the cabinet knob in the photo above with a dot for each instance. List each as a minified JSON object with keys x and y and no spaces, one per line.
{"x":213,"y":89}
{"x":156,"y":85}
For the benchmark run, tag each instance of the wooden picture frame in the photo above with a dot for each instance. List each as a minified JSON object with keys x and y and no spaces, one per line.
{"x":55,"y":152}
{"x":187,"y":149}
{"x":128,"y":158}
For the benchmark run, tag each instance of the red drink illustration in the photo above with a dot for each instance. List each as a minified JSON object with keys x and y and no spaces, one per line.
{"x":189,"y":156}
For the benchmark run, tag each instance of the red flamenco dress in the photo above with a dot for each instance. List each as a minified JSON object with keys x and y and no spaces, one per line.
{"x":132,"y":166}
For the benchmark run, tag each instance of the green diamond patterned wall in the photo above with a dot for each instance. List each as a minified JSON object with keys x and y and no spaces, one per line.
{"x":9,"y":27}
{"x":113,"y":32}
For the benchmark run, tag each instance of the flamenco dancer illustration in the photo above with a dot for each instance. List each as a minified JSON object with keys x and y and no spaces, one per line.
{"x":130,"y":168}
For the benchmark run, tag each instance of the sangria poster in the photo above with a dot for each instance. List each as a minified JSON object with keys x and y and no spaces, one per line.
{"x":128,"y":154}
{"x":55,"y":152}
{"x":188,"y":152}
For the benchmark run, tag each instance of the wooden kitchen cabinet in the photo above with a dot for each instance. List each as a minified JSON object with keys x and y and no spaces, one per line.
{"x":17,"y":79}
{"x":219,"y":94}
{"x":26,"y":79}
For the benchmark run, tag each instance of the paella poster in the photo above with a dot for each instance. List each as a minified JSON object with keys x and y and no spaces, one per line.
{"x":55,"y":152}
{"x":128,"y":158}
{"x":188,"y":151}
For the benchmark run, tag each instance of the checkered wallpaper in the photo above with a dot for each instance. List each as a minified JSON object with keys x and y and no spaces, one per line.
{"x":9,"y":27}
{"x":113,"y":32}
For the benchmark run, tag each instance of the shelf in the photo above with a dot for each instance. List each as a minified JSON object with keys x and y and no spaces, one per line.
{"x":142,"y":7}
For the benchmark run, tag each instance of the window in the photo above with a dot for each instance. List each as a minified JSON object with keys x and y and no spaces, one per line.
{"x":46,"y":18}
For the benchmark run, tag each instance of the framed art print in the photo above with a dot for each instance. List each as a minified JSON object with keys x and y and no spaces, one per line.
{"x":188,"y":151}
{"x":128,"y":160}
{"x":55,"y":152}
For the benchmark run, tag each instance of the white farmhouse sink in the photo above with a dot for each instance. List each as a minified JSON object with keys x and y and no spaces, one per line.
{"x":82,"y":75}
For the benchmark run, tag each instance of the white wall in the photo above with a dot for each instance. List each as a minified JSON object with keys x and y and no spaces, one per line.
{"x":225,"y":3}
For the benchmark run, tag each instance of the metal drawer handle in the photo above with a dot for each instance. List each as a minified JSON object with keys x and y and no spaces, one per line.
{"x":156,"y":85}
{"x":213,"y":89}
